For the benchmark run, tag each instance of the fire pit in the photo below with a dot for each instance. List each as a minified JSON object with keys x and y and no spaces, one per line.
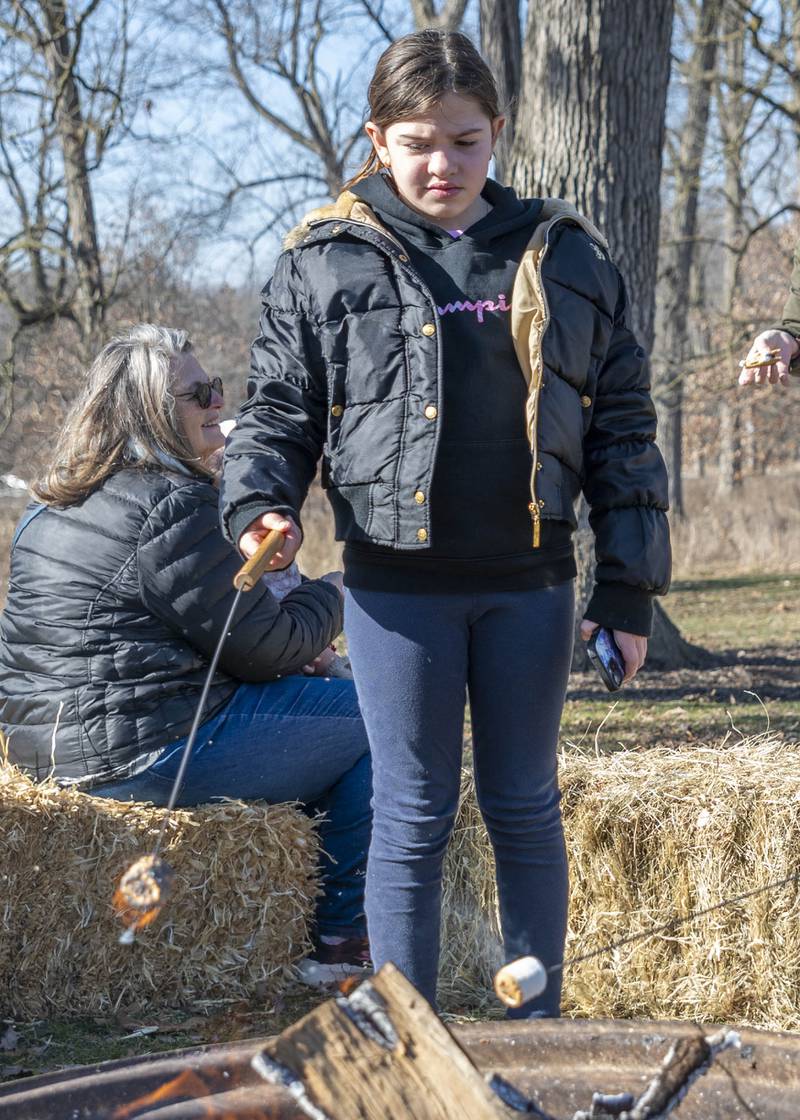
{"x":558,"y":1063}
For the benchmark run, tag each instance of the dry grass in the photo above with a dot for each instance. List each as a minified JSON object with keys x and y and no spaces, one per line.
{"x":756,"y":528}
{"x":245,"y":890}
{"x":652,"y":836}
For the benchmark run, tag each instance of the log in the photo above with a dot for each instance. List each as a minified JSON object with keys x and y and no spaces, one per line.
{"x":382,"y":1052}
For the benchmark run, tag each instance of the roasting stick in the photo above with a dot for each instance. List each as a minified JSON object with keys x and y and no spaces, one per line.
{"x":762,"y":359}
{"x":147,"y":884}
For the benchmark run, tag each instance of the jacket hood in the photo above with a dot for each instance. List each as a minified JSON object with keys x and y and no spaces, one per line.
{"x":372,"y":195}
{"x":508,"y":213}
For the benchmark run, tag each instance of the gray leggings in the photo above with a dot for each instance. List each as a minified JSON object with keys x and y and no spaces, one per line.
{"x":414,"y":658}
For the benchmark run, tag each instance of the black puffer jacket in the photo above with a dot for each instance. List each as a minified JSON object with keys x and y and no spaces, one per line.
{"x":349,"y":364}
{"x":114,"y":609}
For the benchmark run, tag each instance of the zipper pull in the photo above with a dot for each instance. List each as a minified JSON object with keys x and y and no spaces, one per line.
{"x":537,"y":523}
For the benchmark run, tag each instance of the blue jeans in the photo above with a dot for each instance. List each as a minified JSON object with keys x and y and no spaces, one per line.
{"x":299,"y":738}
{"x":414,"y":658}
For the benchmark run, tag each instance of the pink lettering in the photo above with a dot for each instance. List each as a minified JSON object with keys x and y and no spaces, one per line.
{"x":479,"y":306}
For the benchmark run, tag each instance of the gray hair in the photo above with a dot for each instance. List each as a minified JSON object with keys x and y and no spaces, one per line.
{"x":125,"y":416}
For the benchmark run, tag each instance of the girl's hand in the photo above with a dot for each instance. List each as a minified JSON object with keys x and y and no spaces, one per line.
{"x":633,"y":647}
{"x":257,"y":530}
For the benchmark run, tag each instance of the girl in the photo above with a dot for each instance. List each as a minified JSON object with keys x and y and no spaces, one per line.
{"x":461,"y":360}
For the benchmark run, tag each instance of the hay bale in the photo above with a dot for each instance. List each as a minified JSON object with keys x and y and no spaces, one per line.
{"x":244,"y":892}
{"x":652,"y":835}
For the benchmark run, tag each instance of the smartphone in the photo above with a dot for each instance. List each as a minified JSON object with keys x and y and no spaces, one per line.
{"x":605,"y":655}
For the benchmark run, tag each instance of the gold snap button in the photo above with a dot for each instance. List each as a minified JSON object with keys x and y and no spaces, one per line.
{"x":431,"y":412}
{"x":422,"y":534}
{"x":541,"y":503}
{"x":336,"y":229}
{"x":337,"y":410}
{"x":586,"y":401}
{"x":428,"y":329}
{"x":539,"y":465}
{"x":419,"y":498}
{"x":402,"y":257}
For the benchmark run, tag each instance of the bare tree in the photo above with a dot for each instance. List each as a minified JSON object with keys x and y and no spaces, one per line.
{"x":501,"y":44}
{"x":678,"y":254}
{"x":448,"y":17}
{"x":734,"y":115}
{"x":284,"y":50}
{"x":590,"y":125}
{"x":63,"y":107}
{"x":296,"y":110}
{"x":304,"y":110}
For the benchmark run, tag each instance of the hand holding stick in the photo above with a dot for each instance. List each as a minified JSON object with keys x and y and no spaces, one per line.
{"x":769,"y":359}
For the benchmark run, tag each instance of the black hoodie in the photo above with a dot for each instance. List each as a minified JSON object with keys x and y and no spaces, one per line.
{"x":481,"y":485}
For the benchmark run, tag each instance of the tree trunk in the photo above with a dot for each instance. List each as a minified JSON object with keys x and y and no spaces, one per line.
{"x":672,"y":341}
{"x":590,"y":125}
{"x":668,"y":649}
{"x":729,"y":468}
{"x":72,"y":131}
{"x":793,"y":11}
{"x":733,"y":118}
{"x":590,"y":129}
{"x":501,"y":45}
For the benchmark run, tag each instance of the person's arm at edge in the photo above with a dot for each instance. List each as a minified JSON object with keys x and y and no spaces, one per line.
{"x":783,"y":336}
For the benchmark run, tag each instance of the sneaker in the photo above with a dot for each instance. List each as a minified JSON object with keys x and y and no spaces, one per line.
{"x":334,"y":960}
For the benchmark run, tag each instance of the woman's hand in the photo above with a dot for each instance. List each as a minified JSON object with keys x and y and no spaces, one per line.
{"x":257,"y":530}
{"x":337,"y":579}
{"x":321,"y":664}
{"x":633,"y":647}
{"x":776,"y":372}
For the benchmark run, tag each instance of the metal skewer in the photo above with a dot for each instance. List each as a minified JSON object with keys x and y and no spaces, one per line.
{"x":147,"y":884}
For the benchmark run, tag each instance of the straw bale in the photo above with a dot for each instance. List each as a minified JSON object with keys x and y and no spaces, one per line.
{"x":653,"y":835}
{"x":244,"y":892}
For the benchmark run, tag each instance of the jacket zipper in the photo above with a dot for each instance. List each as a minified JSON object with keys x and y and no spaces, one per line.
{"x":533,"y":506}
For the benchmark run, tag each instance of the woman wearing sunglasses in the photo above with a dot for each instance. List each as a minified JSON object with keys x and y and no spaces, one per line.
{"x":120,"y":585}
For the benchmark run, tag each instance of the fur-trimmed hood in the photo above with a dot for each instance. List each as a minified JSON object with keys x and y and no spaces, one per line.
{"x":349,"y":207}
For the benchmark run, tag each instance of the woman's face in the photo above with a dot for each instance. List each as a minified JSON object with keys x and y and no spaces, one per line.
{"x":198,"y":426}
{"x":440,"y":159}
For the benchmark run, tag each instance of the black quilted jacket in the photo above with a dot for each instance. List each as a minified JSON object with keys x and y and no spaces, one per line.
{"x":348,"y":365}
{"x":114,"y":609}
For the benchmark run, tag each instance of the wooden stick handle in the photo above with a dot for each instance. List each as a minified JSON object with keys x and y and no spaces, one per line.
{"x":253,"y":569}
{"x":767,"y":358}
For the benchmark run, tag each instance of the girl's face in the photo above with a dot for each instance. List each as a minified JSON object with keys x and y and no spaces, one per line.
{"x":439,"y":159}
{"x":198,"y":426}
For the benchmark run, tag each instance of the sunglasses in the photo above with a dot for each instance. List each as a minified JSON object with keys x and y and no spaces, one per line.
{"x":202,"y":392}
